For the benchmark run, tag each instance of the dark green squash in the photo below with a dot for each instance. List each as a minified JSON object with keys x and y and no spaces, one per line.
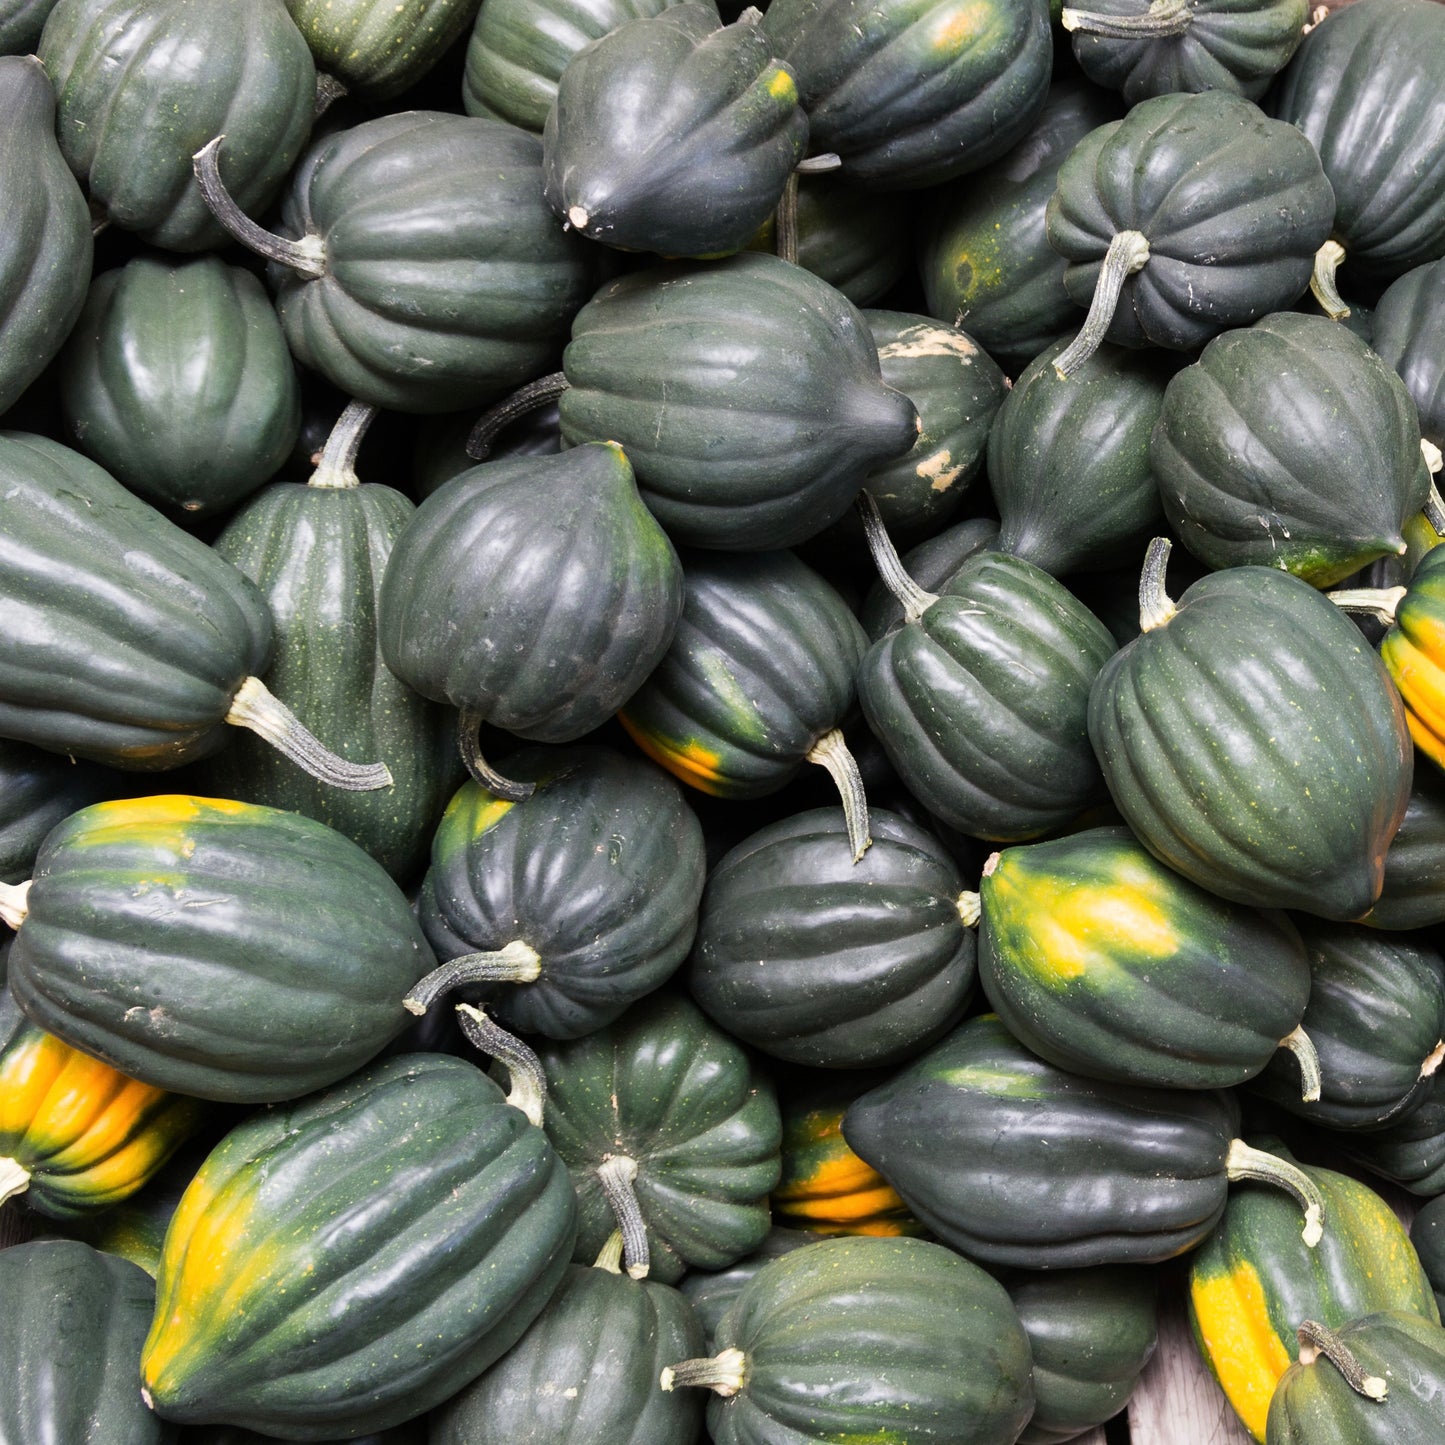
{"x":1290,"y":444}
{"x":747,"y":393}
{"x":21,"y":22}
{"x":1253,"y":1283}
{"x":1409,"y":1151}
{"x":37,"y":790}
{"x":238,"y":68}
{"x":911,"y":97}
{"x":1402,"y":1361}
{"x":867,"y":1339}
{"x":1103,"y":961}
{"x":177,"y":380}
{"x":422,"y":269}
{"x":45,"y":245}
{"x":814,"y":959}
{"x":713,"y":131}
{"x":712,"y":1292}
{"x":1234,"y":205}
{"x":1408,"y":331}
{"x":1010,"y":1160}
{"x":1414,"y":891}
{"x":1091,"y":1332}
{"x":269,"y":955}
{"x":70,"y":1343}
{"x":1427,"y":1234}
{"x":931,"y":564}
{"x":1240,"y":710}
{"x":1376,"y":1016}
{"x":1068,"y":461}
{"x":664,"y":1088}
{"x":594,"y":879}
{"x":317,"y":553}
{"x":413,"y":1183}
{"x":983,"y":256}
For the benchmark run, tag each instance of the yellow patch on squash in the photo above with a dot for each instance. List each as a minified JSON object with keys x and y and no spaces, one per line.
{"x":689,"y":761}
{"x":1244,"y":1352}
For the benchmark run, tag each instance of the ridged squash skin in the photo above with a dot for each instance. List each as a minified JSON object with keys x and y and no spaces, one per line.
{"x":931,"y":564}
{"x":1414,"y":892}
{"x":931,"y":1345}
{"x":540,"y":593}
{"x":600,"y":871}
{"x":673,"y":134}
{"x":1427,"y":1234}
{"x":983,"y":256}
{"x":1290,"y":444}
{"x":37,"y":790}
{"x":912,"y":96}
{"x":815,"y":959}
{"x":1091,"y":1332}
{"x":1409,"y":324}
{"x":45,"y":245}
{"x":448,"y":281}
{"x":1409,"y":1151}
{"x":375,"y":47}
{"x":1412,"y":652}
{"x":126,"y":638}
{"x":1254,"y":1281}
{"x":1107,"y":963}
{"x":981,"y":703}
{"x":762,"y":664}
{"x":587,"y":1371}
{"x":70,"y":1342}
{"x":215,"y":948}
{"x":413,"y":1181}
{"x":238,"y":68}
{"x":1012,"y":1161}
{"x":177,"y":380}
{"x":774,"y":408}
{"x":712,"y":1292}
{"x":1254,"y":704}
{"x":1361,"y":89}
{"x":1234,"y":206}
{"x":318,"y":555}
{"x":685,"y":1102}
{"x":1237,"y":46}
{"x":88,"y":1136}
{"x":1314,"y":1403}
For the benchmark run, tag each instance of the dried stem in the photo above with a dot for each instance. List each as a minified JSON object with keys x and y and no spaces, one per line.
{"x":831,"y":752}
{"x":337,"y":467}
{"x":518,"y":962}
{"x":469,"y":725}
{"x":528,"y":1079}
{"x":257,"y":708}
{"x":913,"y":599}
{"x":306,"y":256}
{"x":1127,"y":253}
{"x":616,"y":1174}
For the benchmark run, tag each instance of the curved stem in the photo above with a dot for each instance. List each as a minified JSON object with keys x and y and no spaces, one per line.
{"x":970,"y":907}
{"x":831,"y":752}
{"x":818,"y":165}
{"x":785,"y":223}
{"x":469,"y":724}
{"x":1163,"y":18}
{"x":1127,"y":253}
{"x":256,"y":707}
{"x":1433,"y":1060}
{"x":1244,"y":1162}
{"x":532,"y":397}
{"x":337,"y":467}
{"x":518,"y":962}
{"x":1315,"y":1340}
{"x":616,"y":1174}
{"x":306,"y":256}
{"x":13,"y":905}
{"x":609,"y":1257}
{"x":14,"y":1179}
{"x":914,"y":600}
{"x":526,"y":1076}
{"x":1156,"y":607}
{"x":724,"y":1373}
{"x":1380,"y":603}
{"x":1299,"y":1043}
{"x":328,"y":91}
{"x":1322,"y":280}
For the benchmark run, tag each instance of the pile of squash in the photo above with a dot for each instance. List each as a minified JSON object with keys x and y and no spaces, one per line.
{"x":461,"y":462}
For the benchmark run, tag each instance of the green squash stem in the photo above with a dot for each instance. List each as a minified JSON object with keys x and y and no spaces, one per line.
{"x":1378,"y":602}
{"x":1156,"y":607}
{"x":609,"y":1257}
{"x":469,"y":724}
{"x":1316,"y":1340}
{"x":1163,"y":18}
{"x":495,"y":420}
{"x":831,"y":752}
{"x":14,"y":1179}
{"x":724,"y":1373}
{"x":256,"y":707}
{"x":518,"y":962}
{"x":527,"y":1079}
{"x":1299,"y":1043}
{"x":13,"y":905}
{"x":307,"y":256}
{"x":911,"y":597}
{"x":1323,"y":283}
{"x":1127,"y":253}
{"x":337,"y":467}
{"x":1243,"y":1162}
{"x":616,"y":1174}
